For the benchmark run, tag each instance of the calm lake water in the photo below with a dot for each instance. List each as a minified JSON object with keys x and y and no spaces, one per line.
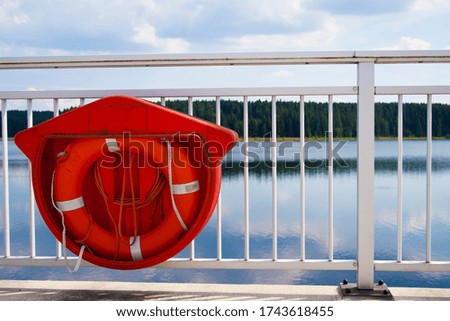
{"x":288,"y":181}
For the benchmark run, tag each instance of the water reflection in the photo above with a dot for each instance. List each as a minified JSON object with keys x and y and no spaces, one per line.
{"x":288,"y":223}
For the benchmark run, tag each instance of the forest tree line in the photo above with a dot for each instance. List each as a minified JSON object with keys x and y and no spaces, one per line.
{"x":288,"y":124}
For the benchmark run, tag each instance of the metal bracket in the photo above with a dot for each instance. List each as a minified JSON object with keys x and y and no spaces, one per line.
{"x":350,"y":291}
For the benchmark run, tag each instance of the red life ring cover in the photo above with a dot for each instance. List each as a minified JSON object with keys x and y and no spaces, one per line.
{"x":133,"y":194}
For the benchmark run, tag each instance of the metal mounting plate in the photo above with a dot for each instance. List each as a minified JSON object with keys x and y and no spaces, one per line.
{"x":350,"y":291}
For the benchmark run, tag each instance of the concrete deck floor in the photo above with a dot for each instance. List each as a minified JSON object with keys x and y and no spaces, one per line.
{"x":13,"y":290}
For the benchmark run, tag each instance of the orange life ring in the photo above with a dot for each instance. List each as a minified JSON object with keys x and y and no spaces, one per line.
{"x":70,"y":170}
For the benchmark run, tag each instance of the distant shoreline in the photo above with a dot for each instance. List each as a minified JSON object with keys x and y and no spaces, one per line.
{"x":295,"y":139}
{"x":288,"y":139}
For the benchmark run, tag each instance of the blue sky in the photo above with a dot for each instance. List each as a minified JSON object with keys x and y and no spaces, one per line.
{"x":67,"y":27}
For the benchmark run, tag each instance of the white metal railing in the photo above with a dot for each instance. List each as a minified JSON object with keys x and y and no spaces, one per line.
{"x":365,"y":91}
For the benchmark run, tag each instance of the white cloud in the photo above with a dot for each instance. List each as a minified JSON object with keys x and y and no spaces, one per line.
{"x":414,"y":43}
{"x":146,"y":34}
{"x":430,"y":5}
{"x":20,"y":19}
{"x":8,"y":49}
{"x":286,"y":11}
{"x":149,"y":5}
{"x":282,"y":73}
{"x":319,"y":38}
{"x":9,"y":14}
{"x":409,"y":43}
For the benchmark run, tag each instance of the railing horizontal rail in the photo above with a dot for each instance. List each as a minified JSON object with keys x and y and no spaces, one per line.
{"x":412,"y":90}
{"x":412,"y":266}
{"x":201,"y":263}
{"x":226,"y":59}
{"x":380,"y":265}
{"x":183,"y":92}
{"x":224,"y":92}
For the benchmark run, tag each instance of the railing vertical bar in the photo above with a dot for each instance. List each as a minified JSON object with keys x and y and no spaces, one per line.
{"x":273,"y":153}
{"x":330,"y":179}
{"x":429,"y":172}
{"x":30,"y":184}
{"x":5,"y":161}
{"x":191,"y":113}
{"x":55,"y":114}
{"x":366,"y":175}
{"x":55,"y":107}
{"x":246,"y":185}
{"x":400,"y":181}
{"x":302,"y":180}
{"x":190,"y":106}
{"x":219,"y":200}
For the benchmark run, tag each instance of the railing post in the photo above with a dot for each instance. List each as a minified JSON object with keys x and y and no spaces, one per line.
{"x":366,"y":173}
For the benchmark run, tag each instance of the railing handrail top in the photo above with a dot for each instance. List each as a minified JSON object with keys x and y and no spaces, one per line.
{"x":227,"y":59}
